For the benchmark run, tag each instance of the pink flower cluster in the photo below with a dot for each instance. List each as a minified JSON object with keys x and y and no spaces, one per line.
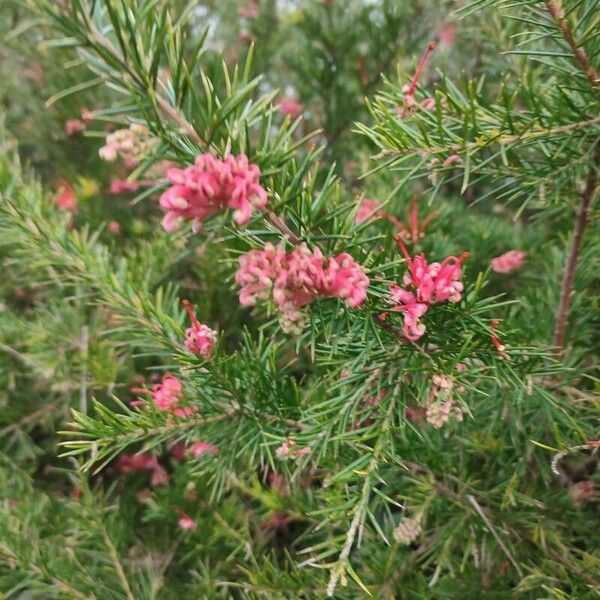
{"x":429,"y":284}
{"x":199,"y":338}
{"x":290,"y":107}
{"x":66,"y":197}
{"x":290,"y":450}
{"x":134,"y":463}
{"x":508,"y":262}
{"x":297,"y":278}
{"x":210,"y":185}
{"x":167,"y":395}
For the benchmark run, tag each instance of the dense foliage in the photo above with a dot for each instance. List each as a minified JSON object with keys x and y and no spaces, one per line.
{"x":300,"y":299}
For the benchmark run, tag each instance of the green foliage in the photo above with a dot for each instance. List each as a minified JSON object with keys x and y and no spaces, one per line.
{"x":89,"y":321}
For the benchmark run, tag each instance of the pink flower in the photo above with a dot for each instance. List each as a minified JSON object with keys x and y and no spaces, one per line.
{"x":186,"y":522}
{"x":431,"y":284}
{"x":428,"y":104}
{"x":413,"y":230}
{"x":296,"y":279}
{"x":367,"y":210}
{"x":508,"y":262}
{"x":114,"y":228}
{"x":129,"y":144}
{"x":135,"y":463}
{"x":250,"y":11}
{"x":74,"y":127}
{"x":290,"y":106}
{"x":123,"y":186}
{"x":87,"y":116}
{"x":199,"y":339}
{"x":66,"y":198}
{"x":453,"y":158}
{"x":289,"y":450}
{"x":200,"y":448}
{"x":446,"y":34}
{"x":408,"y":101}
{"x":210,"y":185}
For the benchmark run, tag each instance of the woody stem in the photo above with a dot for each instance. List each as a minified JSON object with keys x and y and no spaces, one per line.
{"x":587,"y":197}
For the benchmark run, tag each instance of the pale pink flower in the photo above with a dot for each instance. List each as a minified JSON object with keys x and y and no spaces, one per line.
{"x":290,"y":106}
{"x":446,"y":34}
{"x":441,"y":407}
{"x":290,"y":450}
{"x":160,"y":476}
{"x":66,"y":198}
{"x":166,"y":395}
{"x":123,"y":186}
{"x":87,"y":116}
{"x":114,"y":228}
{"x":428,"y":104}
{"x":508,"y":262}
{"x":453,"y":158}
{"x":200,"y":448}
{"x":209,"y":186}
{"x":407,"y":531}
{"x":199,"y":338}
{"x":134,"y":463}
{"x":296,"y":279}
{"x":129,"y":144}
{"x":186,"y":522}
{"x":74,"y":127}
{"x":367,"y":210}
{"x":249,"y":11}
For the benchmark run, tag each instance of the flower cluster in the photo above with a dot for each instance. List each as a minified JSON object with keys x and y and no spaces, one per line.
{"x":508,"y":262}
{"x":210,"y":185}
{"x":289,"y":450}
{"x":129,"y":144}
{"x":296,"y":278}
{"x":441,"y":405}
{"x":407,"y":531}
{"x":134,"y":463}
{"x":290,"y":106}
{"x":428,"y":284}
{"x":167,"y":395}
{"x":199,"y":338}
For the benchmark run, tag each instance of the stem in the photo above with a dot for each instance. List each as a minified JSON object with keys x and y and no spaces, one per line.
{"x":556,"y":11}
{"x":562,"y":313}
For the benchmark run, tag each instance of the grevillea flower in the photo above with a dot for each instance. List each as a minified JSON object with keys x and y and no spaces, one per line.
{"x":407,"y":531}
{"x":496,"y":340}
{"x":185,"y":521}
{"x":249,"y":11}
{"x":66,"y":198}
{"x":134,"y":463}
{"x":290,"y":450}
{"x":167,"y":395}
{"x":428,"y":284}
{"x":74,"y":127}
{"x":508,"y":262}
{"x":199,"y":338}
{"x":290,"y":106}
{"x":123,"y":186}
{"x":296,"y":279}
{"x":200,"y":448}
{"x":441,"y":407}
{"x":209,"y":186}
{"x":114,"y":227}
{"x":367,"y":210}
{"x":129,"y":144}
{"x":414,"y":230}
{"x":408,"y":100}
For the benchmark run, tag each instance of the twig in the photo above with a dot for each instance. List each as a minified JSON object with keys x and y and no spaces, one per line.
{"x":117,"y":564}
{"x":562,"y":313}
{"x":506,"y":551}
{"x":556,"y":11}
{"x":45,"y":410}
{"x":339,"y":569}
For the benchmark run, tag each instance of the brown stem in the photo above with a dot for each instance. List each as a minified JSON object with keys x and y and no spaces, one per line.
{"x":556,"y":11}
{"x":562,"y":313}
